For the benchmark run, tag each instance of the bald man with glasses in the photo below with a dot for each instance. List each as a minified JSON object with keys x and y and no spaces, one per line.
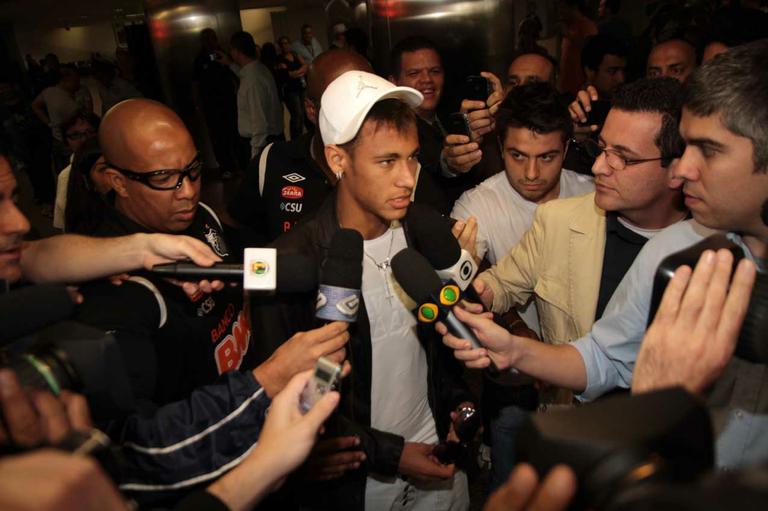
{"x":188,"y":355}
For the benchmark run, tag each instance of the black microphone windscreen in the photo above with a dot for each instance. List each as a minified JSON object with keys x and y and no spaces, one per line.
{"x":296,"y":273}
{"x":432,"y":236}
{"x":343,"y":267}
{"x":415,"y":275}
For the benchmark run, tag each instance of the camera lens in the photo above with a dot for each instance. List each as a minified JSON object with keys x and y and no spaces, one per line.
{"x":43,"y":367}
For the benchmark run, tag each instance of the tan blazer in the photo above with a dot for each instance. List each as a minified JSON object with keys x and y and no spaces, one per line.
{"x":559,"y":261}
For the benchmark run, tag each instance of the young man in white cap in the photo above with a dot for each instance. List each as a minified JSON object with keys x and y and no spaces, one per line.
{"x":397,"y":403}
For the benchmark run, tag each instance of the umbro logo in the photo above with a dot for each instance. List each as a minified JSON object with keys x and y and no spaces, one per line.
{"x":293,"y":177}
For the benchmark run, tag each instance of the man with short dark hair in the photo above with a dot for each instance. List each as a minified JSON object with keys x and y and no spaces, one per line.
{"x":534,"y":130}
{"x":609,"y":227}
{"x":259,"y":110}
{"x":673,"y":58}
{"x":415,"y":62}
{"x":604,"y":60}
{"x":369,"y":130}
{"x":290,"y":179}
{"x":307,"y":45}
{"x":77,"y":129}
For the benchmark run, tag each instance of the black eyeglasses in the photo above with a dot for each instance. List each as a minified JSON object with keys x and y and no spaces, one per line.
{"x":614,"y":160}
{"x":165,"y":179}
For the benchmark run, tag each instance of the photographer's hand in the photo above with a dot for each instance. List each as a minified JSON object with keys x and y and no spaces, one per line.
{"x":284,"y":442}
{"x":695,"y":330}
{"x":522,"y":491}
{"x":50,"y":479}
{"x":38,"y":417}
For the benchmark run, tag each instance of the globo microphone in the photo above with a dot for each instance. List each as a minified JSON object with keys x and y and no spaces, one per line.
{"x":432,"y":237}
{"x":338,"y":297}
{"x":417,"y":278}
{"x":262,"y":270}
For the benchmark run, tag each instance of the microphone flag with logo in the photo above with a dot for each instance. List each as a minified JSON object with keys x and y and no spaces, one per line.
{"x":435,"y":299}
{"x":338,"y":298}
{"x":432,"y":238}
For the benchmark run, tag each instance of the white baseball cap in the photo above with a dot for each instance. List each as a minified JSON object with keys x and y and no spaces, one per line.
{"x":349,"y":98}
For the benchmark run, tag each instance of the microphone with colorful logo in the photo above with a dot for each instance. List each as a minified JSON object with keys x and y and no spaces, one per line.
{"x":435,"y":299}
{"x":341,"y":276}
{"x":432,"y":238}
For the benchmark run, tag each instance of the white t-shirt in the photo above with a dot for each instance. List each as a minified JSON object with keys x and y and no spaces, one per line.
{"x":60,"y":205}
{"x":504,"y":216}
{"x":399,"y":402}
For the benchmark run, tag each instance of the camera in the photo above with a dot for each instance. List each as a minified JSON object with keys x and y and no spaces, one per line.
{"x":72,"y":356}
{"x":751,"y":345}
{"x":622,"y":444}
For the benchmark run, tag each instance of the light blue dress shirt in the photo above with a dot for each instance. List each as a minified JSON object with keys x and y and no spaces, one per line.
{"x":738,"y":400}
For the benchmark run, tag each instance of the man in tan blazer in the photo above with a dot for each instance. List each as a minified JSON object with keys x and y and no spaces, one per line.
{"x":577,"y":250}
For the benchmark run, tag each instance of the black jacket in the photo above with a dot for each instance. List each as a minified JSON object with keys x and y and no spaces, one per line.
{"x":446,"y":389}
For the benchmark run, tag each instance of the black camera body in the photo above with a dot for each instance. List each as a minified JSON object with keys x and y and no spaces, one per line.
{"x":71,"y":355}
{"x":753,"y":341}
{"x":619,"y":443}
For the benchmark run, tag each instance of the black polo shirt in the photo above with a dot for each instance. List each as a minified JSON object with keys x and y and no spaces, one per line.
{"x":621,"y":247}
{"x":171,"y":343}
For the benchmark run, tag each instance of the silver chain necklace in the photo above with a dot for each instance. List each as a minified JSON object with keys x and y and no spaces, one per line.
{"x":385,"y":264}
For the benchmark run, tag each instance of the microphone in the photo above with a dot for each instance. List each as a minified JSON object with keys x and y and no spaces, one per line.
{"x":338,"y":298}
{"x":267,"y":271}
{"x":417,"y":278}
{"x":432,"y":237}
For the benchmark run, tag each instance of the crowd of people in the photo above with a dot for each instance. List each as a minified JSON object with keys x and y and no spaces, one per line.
{"x":566,"y":213}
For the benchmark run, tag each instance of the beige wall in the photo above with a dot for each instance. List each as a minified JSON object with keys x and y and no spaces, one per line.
{"x":74,"y":44}
{"x":259,"y":23}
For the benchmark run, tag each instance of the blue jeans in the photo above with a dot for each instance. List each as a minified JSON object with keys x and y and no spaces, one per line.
{"x":504,"y":428}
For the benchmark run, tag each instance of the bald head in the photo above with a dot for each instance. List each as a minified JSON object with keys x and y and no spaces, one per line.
{"x":330,"y":65}
{"x":140,"y":137}
{"x":142,"y":134}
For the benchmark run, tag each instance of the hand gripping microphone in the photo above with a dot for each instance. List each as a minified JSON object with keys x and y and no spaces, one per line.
{"x":341,"y":277}
{"x":435,"y":299}
{"x":262,"y":270}
{"x":432,"y":237}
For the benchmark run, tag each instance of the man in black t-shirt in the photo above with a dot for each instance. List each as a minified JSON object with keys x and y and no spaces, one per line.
{"x":154,"y":169}
{"x":174,"y":342}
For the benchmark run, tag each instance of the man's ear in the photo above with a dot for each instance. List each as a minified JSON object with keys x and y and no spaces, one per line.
{"x":311,"y":109}
{"x":337,"y":158}
{"x":392,"y":79}
{"x":117,"y":181}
